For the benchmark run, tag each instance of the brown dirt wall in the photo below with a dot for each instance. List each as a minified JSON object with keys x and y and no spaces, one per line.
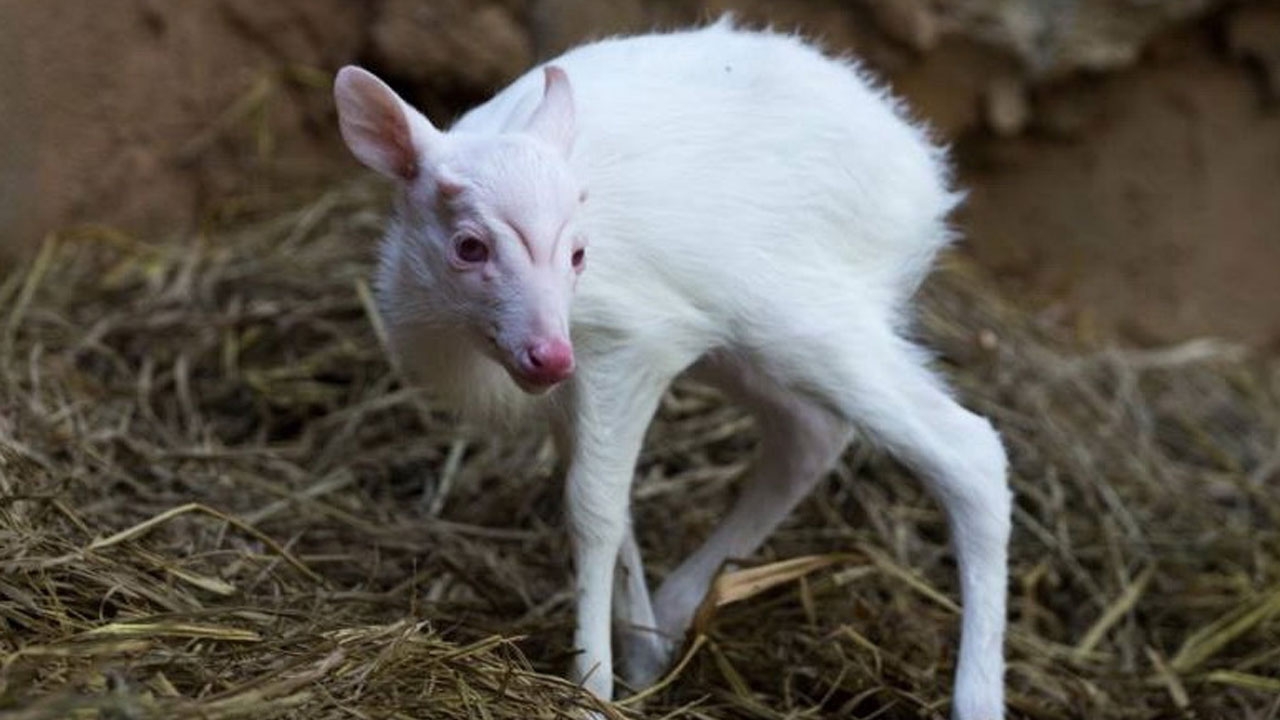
{"x":1123,"y":160}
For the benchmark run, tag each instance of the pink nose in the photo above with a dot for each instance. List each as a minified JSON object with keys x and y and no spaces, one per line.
{"x":547,"y":362}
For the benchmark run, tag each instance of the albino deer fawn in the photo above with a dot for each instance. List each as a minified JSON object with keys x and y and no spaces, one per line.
{"x":728,"y":203}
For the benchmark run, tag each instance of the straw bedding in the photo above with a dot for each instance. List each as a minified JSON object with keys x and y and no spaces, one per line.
{"x":217,"y":501}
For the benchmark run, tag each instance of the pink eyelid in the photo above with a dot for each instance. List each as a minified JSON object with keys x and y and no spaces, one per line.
{"x":528,"y":248}
{"x":455,"y":255}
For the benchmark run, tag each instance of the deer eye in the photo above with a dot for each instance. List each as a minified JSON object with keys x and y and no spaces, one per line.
{"x":579,"y":257}
{"x":471,"y":249}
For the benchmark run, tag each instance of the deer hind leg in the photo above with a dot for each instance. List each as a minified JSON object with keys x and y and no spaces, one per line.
{"x":880,"y":383}
{"x":799,"y":442}
{"x":644,"y":649}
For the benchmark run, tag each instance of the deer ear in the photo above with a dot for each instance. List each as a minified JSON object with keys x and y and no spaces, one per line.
{"x":553,"y":120}
{"x":380,"y":129}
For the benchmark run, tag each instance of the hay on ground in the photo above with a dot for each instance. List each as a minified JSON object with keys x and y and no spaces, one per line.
{"x":216,"y":501}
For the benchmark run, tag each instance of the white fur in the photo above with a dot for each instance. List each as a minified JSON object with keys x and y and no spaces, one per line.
{"x":755,"y":211}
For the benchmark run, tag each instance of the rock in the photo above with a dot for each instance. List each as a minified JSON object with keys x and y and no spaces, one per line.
{"x":450,"y":47}
{"x":1055,"y":38}
{"x":1005,"y":106}
{"x":561,"y":24}
{"x":320,"y":34}
{"x":947,"y":87}
{"x":1253,"y":34}
{"x":1099,"y":35}
{"x":910,"y":22}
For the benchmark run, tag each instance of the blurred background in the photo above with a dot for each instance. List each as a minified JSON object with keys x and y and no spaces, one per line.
{"x":1123,"y":155}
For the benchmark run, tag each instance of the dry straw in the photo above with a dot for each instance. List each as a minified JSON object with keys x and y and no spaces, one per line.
{"x":216,"y":501}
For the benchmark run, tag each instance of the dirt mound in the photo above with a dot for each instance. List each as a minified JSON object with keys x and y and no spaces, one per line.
{"x":216,"y":501}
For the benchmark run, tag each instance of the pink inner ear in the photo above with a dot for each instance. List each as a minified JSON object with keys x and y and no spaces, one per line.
{"x":553,"y":119}
{"x":375,"y":124}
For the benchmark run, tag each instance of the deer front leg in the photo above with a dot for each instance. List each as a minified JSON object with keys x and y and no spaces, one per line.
{"x":606,"y":437}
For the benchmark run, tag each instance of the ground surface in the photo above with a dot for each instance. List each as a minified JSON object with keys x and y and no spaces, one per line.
{"x":216,"y":501}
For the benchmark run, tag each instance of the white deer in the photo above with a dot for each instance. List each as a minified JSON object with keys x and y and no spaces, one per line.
{"x":730,"y":204}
